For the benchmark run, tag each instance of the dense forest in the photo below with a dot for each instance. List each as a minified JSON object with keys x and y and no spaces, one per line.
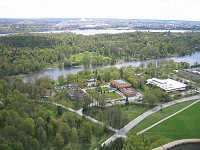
{"x":28,"y":118}
{"x":27,"y":121}
{"x":26,"y":53}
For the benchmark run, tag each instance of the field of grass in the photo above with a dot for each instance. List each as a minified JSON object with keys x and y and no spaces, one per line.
{"x":184,"y":125}
{"x":158,"y":116}
{"x":112,"y":95}
{"x":132,"y":111}
{"x":108,"y":95}
{"x":79,"y":57}
{"x":90,"y":91}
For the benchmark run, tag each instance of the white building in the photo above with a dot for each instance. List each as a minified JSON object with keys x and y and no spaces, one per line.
{"x":168,"y":85}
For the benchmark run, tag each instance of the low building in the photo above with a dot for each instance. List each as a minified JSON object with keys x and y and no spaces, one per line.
{"x":191,"y":74}
{"x":91,"y":82}
{"x":74,"y":92}
{"x":123,"y":87}
{"x":130,"y":92}
{"x":168,"y":85}
{"x":119,"y":84}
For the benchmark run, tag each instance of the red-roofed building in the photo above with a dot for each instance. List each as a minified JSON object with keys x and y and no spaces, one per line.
{"x":119,"y":84}
{"x":123,"y":87}
{"x":128,"y":91}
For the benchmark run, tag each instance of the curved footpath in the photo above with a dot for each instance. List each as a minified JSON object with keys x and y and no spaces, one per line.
{"x":122,"y":132}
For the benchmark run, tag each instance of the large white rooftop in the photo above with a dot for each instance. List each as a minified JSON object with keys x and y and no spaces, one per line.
{"x":169,"y":85}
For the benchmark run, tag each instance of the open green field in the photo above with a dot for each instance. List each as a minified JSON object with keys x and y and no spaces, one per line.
{"x":108,"y":95}
{"x":184,"y":125}
{"x":158,"y":116}
{"x":79,"y":57}
{"x":132,"y":111}
{"x":112,"y":95}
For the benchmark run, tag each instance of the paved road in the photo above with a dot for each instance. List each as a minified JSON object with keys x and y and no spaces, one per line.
{"x":167,"y":117}
{"x":122,"y":132}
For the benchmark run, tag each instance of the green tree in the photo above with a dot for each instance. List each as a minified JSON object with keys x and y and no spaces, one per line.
{"x":74,"y":135}
{"x":87,"y":130}
{"x":42,"y":136}
{"x":17,"y":146}
{"x":58,"y":141}
{"x":61,"y":80}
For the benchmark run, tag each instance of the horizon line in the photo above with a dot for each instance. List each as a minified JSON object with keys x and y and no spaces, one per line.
{"x":27,"y":18}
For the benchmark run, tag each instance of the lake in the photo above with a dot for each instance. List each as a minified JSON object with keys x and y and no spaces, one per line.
{"x":104,"y":31}
{"x":55,"y":72}
{"x":109,"y":31}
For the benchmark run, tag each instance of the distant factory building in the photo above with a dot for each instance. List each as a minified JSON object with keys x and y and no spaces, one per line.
{"x":168,"y":85}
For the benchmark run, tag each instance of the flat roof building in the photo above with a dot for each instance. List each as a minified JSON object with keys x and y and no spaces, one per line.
{"x":123,"y":87}
{"x":168,"y":85}
{"x":128,"y":91}
{"x":120,"y":84}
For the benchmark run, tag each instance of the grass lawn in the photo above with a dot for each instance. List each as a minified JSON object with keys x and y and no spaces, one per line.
{"x":79,"y":57}
{"x":109,"y":95}
{"x":112,"y":95}
{"x":133,"y":110}
{"x":158,"y":116}
{"x":184,"y":125}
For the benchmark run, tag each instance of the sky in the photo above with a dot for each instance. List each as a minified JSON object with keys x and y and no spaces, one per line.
{"x":122,"y":9}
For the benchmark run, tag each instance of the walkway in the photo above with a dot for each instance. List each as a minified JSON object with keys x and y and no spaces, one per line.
{"x":179,"y":143}
{"x":167,"y":117}
{"x":122,"y":132}
{"x":80,"y":113}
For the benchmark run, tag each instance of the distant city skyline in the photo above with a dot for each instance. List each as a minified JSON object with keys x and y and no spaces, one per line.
{"x":119,"y":9}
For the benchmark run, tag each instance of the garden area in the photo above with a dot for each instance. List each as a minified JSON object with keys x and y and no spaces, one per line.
{"x":104,"y":90}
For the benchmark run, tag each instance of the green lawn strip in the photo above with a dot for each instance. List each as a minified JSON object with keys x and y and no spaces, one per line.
{"x":97,"y":89}
{"x":132,"y":111}
{"x":108,"y":95}
{"x":184,"y":125}
{"x":79,"y":57}
{"x":158,"y":116}
{"x":112,"y":95}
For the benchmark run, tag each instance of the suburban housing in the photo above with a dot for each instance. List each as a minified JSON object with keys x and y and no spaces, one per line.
{"x":91,"y":82}
{"x":169,"y":85}
{"x":74,"y":92}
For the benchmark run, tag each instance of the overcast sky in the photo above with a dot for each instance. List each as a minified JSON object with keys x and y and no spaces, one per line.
{"x":129,"y":9}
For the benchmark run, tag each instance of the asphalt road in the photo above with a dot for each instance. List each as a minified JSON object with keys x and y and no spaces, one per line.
{"x":122,"y":132}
